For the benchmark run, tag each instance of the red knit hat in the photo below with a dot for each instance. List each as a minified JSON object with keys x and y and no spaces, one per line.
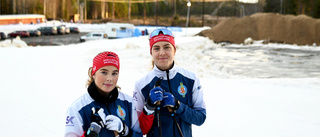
{"x":105,"y":59}
{"x":161,"y":37}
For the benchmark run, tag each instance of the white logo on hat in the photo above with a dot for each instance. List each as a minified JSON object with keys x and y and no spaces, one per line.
{"x":110,"y":61}
{"x":159,"y":38}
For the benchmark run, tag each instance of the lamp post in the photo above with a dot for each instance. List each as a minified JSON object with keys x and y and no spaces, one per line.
{"x":243,"y":10}
{"x":189,"y":5}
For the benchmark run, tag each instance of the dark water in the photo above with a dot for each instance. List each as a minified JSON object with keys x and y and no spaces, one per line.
{"x":267,"y":61}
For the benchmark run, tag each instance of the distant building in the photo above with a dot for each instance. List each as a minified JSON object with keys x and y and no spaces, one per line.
{"x":21,"y":19}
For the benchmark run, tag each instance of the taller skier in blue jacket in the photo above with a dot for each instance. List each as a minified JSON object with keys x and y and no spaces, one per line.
{"x":169,"y":99}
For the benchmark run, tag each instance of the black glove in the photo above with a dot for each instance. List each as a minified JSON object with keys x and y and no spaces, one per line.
{"x":97,"y":122}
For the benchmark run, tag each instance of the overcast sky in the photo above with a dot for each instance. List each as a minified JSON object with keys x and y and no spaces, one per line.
{"x":249,"y":1}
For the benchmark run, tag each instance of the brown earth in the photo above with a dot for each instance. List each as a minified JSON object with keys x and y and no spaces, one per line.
{"x":300,"y":30}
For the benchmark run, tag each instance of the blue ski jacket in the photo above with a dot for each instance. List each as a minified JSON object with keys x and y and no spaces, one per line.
{"x":185,"y":87}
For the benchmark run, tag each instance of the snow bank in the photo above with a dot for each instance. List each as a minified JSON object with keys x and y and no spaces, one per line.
{"x":17,"y":42}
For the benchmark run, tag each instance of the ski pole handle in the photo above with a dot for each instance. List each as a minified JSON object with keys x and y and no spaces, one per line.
{"x":170,"y":109}
{"x":158,"y":103}
{"x":116,"y":134}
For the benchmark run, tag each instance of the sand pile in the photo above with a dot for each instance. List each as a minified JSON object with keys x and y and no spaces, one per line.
{"x":300,"y":30}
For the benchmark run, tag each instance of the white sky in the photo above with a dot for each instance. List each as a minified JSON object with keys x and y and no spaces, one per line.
{"x":249,"y":1}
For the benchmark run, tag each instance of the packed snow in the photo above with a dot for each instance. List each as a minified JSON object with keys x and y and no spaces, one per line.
{"x":39,"y":83}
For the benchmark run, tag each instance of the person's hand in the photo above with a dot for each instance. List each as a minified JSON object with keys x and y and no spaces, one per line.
{"x":97,"y":122}
{"x":155,"y":95}
{"x":114,"y":123}
{"x":168,"y":100}
{"x":98,"y":116}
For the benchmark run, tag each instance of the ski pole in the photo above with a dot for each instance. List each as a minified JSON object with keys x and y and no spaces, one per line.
{"x":175,"y":121}
{"x":116,"y":134}
{"x":157,"y":84}
{"x":159,"y":119}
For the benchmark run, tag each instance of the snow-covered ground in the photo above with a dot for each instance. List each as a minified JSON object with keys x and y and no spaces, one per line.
{"x":39,"y":83}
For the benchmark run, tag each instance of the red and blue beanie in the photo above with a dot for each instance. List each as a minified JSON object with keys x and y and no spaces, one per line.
{"x":105,"y":59}
{"x":161,"y":37}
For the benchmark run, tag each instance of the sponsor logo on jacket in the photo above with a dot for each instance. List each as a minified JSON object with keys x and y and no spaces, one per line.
{"x":121,"y":112}
{"x":182,"y":90}
{"x":69,"y":121}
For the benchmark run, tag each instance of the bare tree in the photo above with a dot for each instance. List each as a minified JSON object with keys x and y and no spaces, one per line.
{"x":63,"y":9}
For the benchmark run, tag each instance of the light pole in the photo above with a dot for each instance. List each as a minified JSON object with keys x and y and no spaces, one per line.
{"x":243,"y":10}
{"x":189,"y":5}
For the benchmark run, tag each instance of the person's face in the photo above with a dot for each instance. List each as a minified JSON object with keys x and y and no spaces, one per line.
{"x":163,"y":54}
{"x":106,"y":79}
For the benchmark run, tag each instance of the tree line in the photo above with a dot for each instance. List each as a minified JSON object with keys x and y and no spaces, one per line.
{"x":106,"y":9}
{"x":295,"y":7}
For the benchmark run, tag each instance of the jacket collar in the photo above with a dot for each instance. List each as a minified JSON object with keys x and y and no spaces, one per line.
{"x":95,"y":95}
{"x":161,"y":73}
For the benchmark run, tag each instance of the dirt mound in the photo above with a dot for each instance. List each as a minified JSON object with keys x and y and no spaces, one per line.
{"x":300,"y":30}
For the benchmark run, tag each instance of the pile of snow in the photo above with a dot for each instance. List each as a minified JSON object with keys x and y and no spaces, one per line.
{"x":17,"y":42}
{"x":248,"y":41}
